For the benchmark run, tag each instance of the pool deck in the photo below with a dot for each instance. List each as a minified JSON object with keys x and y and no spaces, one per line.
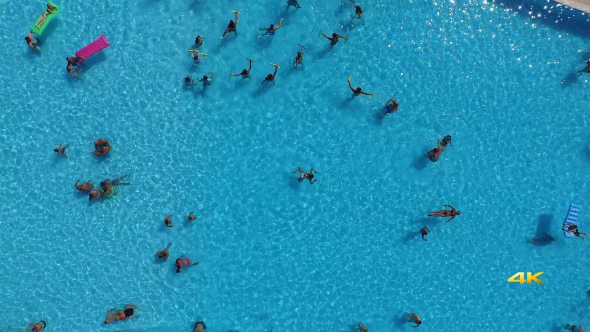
{"x":583,"y":5}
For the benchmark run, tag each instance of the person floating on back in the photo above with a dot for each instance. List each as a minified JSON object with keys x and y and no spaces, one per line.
{"x":416,"y":319}
{"x":358,"y":91}
{"x":50,"y":10}
{"x":303,"y":175}
{"x":32,"y":42}
{"x":200,"y":327}
{"x":164,"y":253}
{"x":445,"y":213}
{"x":128,"y":313}
{"x":362,"y":328}
{"x":84,"y":187}
{"x":231,"y":26}
{"x":293,"y":3}
{"x":358,"y":11}
{"x":574,"y":229}
{"x":191,"y":216}
{"x":182,"y":261}
{"x":299,"y":57}
{"x":102,"y":147}
{"x":168,"y":221}
{"x":391,"y":106}
{"x":271,"y":77}
{"x":245,"y":72}
{"x":61,"y":150}
{"x":334,"y":38}
{"x":37,"y":327}
{"x":424,"y":231}
{"x":272,"y":29}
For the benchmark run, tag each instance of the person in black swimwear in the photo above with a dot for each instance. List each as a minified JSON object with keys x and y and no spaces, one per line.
{"x":303,"y":175}
{"x":299,"y":58}
{"x":200,"y":327}
{"x":37,"y":327}
{"x":573,"y":229}
{"x":334,"y":38}
{"x":272,"y":29}
{"x":424,"y":231}
{"x":231,"y":27}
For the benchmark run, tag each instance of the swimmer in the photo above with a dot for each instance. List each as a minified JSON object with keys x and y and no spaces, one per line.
{"x":445,"y":213}
{"x":272,"y":29}
{"x":94,"y":193}
{"x":107,"y":188}
{"x":73,"y":70}
{"x":573,"y":229}
{"x":271,"y":77}
{"x":182,"y":261}
{"x":200,"y":327}
{"x":416,"y":319}
{"x":245,"y":72}
{"x":168,"y":221}
{"x":358,"y":91}
{"x":206,"y":80}
{"x":37,"y":327}
{"x":231,"y":27}
{"x":572,"y":328}
{"x":84,"y":187}
{"x":102,"y":147}
{"x":199,"y":41}
{"x":434,"y":154}
{"x":358,"y":11}
{"x":164,"y":253}
{"x":424,"y":231}
{"x":60,"y":149}
{"x":191,"y":217}
{"x":293,"y":3}
{"x":32,"y":42}
{"x":128,"y":313}
{"x":442,"y":145}
{"x":299,"y":58}
{"x":390,"y":108}
{"x":188,"y":81}
{"x":50,"y":10}
{"x":303,"y":175}
{"x":362,"y":328}
{"x":586,"y":69}
{"x":75,"y":60}
{"x":334,"y":38}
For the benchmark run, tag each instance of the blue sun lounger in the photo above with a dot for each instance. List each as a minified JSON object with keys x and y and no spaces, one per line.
{"x":572,"y":218}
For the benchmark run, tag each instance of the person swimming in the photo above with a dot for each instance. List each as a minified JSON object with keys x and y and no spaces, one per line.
{"x":32,"y":42}
{"x":200,"y":327}
{"x":102,"y":147}
{"x":206,"y":80}
{"x":60,"y":149}
{"x":445,"y":213}
{"x":164,"y":253}
{"x":293,"y":3}
{"x":271,"y":77}
{"x":168,"y":221}
{"x":191,"y":217}
{"x":272,"y":29}
{"x":434,"y":154}
{"x":574,"y":229}
{"x":231,"y":27}
{"x":334,"y":38}
{"x":188,"y":81}
{"x":199,"y":41}
{"x":37,"y":327}
{"x":182,"y":261}
{"x":84,"y":187}
{"x":391,"y":106}
{"x":415,"y":318}
{"x":442,"y":145}
{"x":128,"y":313}
{"x":299,"y":57}
{"x":245,"y":72}
{"x":303,"y":175}
{"x":363,"y":328}
{"x":358,"y":11}
{"x":358,"y":91}
{"x":424,"y":231}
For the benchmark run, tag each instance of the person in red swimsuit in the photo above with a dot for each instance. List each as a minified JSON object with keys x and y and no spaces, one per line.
{"x":102,"y":147}
{"x":128,"y":313}
{"x":182,"y":261}
{"x":84,"y":187}
{"x":60,"y":149}
{"x":445,"y":213}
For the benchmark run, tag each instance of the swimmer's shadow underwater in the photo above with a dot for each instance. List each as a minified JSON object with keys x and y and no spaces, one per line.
{"x":543,"y":234}
{"x":421,"y":161}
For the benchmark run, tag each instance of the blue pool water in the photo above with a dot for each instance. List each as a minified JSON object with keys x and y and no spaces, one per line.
{"x":497,"y":76}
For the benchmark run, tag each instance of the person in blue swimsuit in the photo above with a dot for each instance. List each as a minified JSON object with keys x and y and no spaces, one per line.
{"x":272,"y":29}
{"x":391,"y":106}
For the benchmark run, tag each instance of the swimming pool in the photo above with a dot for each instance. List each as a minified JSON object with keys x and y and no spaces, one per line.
{"x":277,"y":253}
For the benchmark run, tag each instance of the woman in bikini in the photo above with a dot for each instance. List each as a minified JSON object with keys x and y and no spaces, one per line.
{"x":445,"y":213}
{"x":32,"y":42}
{"x":573,"y":229}
{"x":60,"y":149}
{"x":182,"y":261}
{"x":84,"y":187}
{"x":50,"y":10}
{"x":168,"y":221}
{"x":164,"y":253}
{"x":128,"y":313}
{"x":358,"y":91}
{"x":334,"y":38}
{"x":303,"y":175}
{"x":37,"y":327}
{"x":231,"y":27}
{"x":272,"y":29}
